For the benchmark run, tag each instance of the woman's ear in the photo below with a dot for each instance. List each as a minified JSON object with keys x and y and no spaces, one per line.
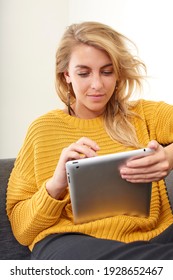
{"x":67,"y":77}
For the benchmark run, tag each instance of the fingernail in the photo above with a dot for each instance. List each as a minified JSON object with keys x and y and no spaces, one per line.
{"x":123,"y":171}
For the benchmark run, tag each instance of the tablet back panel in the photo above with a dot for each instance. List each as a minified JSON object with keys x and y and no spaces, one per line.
{"x":98,"y":191}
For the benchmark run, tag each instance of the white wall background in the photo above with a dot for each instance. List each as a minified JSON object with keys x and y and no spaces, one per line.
{"x":29,"y":34}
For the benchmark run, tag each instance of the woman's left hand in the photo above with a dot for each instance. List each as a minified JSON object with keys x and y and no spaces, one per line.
{"x":150,"y":168}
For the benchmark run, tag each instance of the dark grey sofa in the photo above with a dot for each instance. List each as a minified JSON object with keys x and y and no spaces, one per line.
{"x":10,"y":249}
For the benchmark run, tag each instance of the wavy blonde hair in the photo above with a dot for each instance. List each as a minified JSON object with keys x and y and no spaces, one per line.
{"x":127,"y":67}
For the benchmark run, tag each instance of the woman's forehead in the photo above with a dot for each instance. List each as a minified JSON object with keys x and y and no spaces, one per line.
{"x":86,"y":56}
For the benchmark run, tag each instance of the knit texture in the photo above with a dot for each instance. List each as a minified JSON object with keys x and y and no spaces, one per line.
{"x":34,"y":214}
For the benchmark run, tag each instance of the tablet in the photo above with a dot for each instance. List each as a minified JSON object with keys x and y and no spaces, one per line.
{"x":97,"y":190}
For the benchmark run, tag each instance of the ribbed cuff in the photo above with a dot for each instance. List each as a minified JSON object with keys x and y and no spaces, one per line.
{"x":48,"y":205}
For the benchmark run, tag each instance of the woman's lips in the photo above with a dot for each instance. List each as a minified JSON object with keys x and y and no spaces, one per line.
{"x":96,"y":97}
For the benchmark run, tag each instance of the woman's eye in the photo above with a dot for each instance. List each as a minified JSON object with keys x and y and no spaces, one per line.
{"x":85,"y":74}
{"x":107,"y":73}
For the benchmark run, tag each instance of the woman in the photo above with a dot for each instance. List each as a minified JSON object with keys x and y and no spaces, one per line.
{"x":95,"y":77}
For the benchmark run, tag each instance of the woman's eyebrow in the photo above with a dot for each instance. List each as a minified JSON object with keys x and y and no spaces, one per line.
{"x":82,"y":66}
{"x":87,"y":67}
{"x":107,"y":65}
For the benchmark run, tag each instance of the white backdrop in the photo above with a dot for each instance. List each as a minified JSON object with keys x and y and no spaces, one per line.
{"x":29,"y":34}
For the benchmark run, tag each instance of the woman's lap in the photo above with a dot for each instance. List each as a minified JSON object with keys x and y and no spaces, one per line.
{"x":75,"y":246}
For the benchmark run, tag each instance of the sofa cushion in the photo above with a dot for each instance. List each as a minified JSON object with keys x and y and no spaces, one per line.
{"x":169,"y":186}
{"x":10,"y":249}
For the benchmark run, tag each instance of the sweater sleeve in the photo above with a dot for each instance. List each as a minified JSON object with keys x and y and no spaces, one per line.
{"x":29,"y":207}
{"x":159,"y":118}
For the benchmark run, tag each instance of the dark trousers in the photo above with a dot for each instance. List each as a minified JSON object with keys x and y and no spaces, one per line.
{"x":76,"y":246}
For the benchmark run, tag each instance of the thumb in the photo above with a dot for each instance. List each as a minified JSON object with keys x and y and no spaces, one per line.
{"x":153,"y":144}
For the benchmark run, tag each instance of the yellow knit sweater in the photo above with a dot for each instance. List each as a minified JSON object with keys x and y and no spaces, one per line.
{"x":34,"y":214}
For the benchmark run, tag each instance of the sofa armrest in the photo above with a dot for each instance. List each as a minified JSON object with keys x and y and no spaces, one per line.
{"x":10,"y":249}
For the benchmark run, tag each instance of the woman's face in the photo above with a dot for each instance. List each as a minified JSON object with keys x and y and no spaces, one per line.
{"x":93,"y":80}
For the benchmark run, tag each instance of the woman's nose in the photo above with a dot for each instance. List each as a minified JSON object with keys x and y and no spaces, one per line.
{"x":96,"y":82}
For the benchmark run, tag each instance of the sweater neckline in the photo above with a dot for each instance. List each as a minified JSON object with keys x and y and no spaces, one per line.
{"x":81,"y":123}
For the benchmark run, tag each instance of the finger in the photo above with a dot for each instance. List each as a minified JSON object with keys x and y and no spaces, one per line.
{"x":145,"y":177}
{"x":66,"y":156}
{"x":75,"y":155}
{"x":141,"y":179}
{"x":148,"y":160}
{"x":142,"y":162}
{"x":160,"y":168}
{"x":154,"y":161}
{"x":154,"y":145}
{"x":83,"y":149}
{"x":88,"y":142}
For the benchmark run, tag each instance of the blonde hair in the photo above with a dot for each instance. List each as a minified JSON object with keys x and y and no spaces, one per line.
{"x":128,"y":70}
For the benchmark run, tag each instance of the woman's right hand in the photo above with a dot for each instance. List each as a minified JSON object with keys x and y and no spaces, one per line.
{"x":83,"y":148}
